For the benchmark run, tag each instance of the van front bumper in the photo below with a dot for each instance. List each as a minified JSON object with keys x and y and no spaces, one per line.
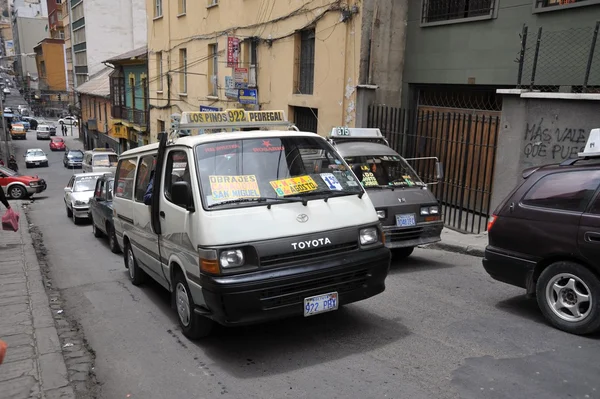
{"x":420,"y":234}
{"x":270,"y":294}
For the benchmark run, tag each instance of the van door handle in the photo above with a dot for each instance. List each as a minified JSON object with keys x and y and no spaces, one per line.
{"x":161,"y":214}
{"x":592,"y":237}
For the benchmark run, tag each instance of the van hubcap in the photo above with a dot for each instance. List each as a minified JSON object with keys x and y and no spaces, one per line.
{"x":183,"y":304}
{"x":569,"y":297}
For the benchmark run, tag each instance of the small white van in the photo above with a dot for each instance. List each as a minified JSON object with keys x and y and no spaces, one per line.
{"x":100,"y":160}
{"x":241,"y":228}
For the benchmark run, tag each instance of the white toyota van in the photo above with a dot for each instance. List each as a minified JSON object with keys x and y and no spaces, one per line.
{"x":100,"y":160}
{"x":242,"y":227}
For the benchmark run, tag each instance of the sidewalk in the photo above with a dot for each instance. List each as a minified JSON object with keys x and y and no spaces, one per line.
{"x":468,"y":244}
{"x":34,"y":366}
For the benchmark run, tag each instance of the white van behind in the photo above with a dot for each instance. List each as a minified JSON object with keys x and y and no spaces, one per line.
{"x":100,"y":160}
{"x":241,"y":229}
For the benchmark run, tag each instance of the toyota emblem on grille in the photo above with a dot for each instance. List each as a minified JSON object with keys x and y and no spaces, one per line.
{"x":402,"y":199}
{"x":302,"y":218}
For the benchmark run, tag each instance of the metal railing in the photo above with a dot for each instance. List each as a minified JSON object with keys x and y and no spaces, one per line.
{"x":448,"y":10}
{"x":566,"y":60}
{"x":133,"y":115}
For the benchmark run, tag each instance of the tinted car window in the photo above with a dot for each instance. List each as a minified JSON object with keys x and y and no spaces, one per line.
{"x":595,"y":209}
{"x":569,"y":191}
{"x":125,"y":175}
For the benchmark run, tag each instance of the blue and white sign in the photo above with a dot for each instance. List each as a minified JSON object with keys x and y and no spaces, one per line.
{"x":204,"y":108}
{"x":331,"y":181}
{"x":247,"y":96}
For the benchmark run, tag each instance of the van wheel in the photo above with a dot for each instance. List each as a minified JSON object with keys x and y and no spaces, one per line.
{"x":136,"y":275}
{"x":95,"y":230}
{"x":402,"y":253}
{"x":568,"y":295}
{"x":112,"y":239}
{"x":192,"y":325}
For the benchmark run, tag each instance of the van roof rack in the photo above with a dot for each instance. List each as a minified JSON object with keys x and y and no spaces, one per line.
{"x":347,"y":134}
{"x":102,"y":149}
{"x":229,"y":119}
{"x":591,"y":150}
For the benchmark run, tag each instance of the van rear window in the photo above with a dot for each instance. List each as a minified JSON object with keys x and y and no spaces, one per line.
{"x":105,"y":160}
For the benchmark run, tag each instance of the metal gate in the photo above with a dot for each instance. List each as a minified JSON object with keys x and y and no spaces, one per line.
{"x":464,"y":142}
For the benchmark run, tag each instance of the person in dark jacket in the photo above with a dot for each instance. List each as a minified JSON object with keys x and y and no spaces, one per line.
{"x":3,"y":198}
{"x":148,"y":195}
{"x":12,"y":163}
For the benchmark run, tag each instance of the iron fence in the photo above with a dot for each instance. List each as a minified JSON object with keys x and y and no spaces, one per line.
{"x":560,"y":61}
{"x":465,"y":144}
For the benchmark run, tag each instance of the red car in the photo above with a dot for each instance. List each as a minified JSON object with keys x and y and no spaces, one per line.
{"x":18,"y":186}
{"x":57,"y":144}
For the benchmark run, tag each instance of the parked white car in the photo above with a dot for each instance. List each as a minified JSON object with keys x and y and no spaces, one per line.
{"x":6,"y":90}
{"x":78,"y":194}
{"x":35,"y":157}
{"x":68,"y":120}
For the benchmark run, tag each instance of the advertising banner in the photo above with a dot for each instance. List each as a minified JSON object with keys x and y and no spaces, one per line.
{"x":240,"y":77}
{"x":230,"y":91}
{"x":9,"y":48}
{"x":233,"y":52}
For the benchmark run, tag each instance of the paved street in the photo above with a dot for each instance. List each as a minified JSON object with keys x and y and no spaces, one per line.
{"x":442,"y":329}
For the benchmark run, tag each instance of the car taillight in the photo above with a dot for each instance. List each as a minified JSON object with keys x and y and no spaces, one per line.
{"x":491,"y":222}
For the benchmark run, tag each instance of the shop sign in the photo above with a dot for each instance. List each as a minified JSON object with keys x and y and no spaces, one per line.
{"x":247,"y":96}
{"x":120,"y":132}
{"x":240,"y":77}
{"x":230,"y":91}
{"x":205,"y":108}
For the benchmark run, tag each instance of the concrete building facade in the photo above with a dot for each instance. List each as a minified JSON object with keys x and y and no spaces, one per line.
{"x":27,"y":33}
{"x":309,"y":58}
{"x":112,"y":27}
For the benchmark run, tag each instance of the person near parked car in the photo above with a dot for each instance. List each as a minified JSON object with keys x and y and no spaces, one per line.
{"x":3,"y":198}
{"x":148,"y":195}
{"x":63,"y":129}
{"x":12,"y":163}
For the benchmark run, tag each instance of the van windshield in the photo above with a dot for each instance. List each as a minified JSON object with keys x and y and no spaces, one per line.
{"x":271,"y":169}
{"x":384,"y":170}
{"x":105,"y":160}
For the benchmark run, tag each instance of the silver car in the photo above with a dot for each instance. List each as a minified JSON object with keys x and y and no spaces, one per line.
{"x":78,"y":193}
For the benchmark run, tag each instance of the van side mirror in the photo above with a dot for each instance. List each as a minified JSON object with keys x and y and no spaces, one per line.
{"x":181,"y":194}
{"x":439,"y":171}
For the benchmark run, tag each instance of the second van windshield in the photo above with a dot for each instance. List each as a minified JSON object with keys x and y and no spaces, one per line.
{"x":273,"y":168}
{"x":384,"y":170}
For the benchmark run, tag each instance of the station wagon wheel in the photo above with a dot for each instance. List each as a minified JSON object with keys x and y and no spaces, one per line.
{"x":192,"y":325}
{"x":569,"y":296}
{"x":17,"y":192}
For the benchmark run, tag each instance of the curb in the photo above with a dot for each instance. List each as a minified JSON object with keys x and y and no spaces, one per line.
{"x":457,"y":248}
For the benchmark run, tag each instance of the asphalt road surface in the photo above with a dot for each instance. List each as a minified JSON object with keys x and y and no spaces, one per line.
{"x":442,"y":329}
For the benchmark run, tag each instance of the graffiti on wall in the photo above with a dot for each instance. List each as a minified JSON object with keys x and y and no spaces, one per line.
{"x":553,"y":143}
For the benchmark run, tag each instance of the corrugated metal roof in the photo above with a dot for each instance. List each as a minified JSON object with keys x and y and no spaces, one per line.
{"x":98,"y":85}
{"x":141,"y":53}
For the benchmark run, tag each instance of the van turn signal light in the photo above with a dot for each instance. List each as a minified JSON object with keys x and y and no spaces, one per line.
{"x":210,"y":266}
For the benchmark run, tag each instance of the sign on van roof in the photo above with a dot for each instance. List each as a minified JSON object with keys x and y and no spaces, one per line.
{"x":354,"y":132}
{"x":232,"y":118}
{"x":592,"y":148}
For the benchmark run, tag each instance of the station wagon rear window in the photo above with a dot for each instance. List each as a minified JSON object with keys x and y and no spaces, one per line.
{"x":272,"y":169}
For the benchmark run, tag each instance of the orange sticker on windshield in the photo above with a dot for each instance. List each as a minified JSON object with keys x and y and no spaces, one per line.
{"x":294,"y":185}
{"x":227,"y":187}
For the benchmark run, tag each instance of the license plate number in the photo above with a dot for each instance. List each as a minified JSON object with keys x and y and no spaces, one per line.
{"x":320,"y":304}
{"x":37,"y":163}
{"x":406,"y":220}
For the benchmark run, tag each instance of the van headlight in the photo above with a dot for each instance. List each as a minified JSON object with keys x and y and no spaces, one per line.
{"x":381,"y":214}
{"x":430,"y":210}
{"x":232,"y":258}
{"x":368,"y":236}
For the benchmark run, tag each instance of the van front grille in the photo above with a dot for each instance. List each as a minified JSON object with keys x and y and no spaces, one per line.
{"x":311,"y":255}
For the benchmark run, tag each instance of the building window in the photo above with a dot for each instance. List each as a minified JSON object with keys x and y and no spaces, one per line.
{"x":306,"y":119}
{"x":144,"y":84}
{"x":181,"y":7}
{"x":79,"y":36}
{"x":61,"y":34}
{"x":160,"y":125}
{"x":183,"y":71}
{"x":213,"y":70}
{"x":306,"y":70}
{"x":132,"y":88}
{"x":447,"y":10}
{"x":159,"y":70}
{"x":211,"y":3}
{"x":43,"y":68}
{"x":157,"y":8}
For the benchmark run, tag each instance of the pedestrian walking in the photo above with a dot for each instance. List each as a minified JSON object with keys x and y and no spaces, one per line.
{"x":63,"y":128}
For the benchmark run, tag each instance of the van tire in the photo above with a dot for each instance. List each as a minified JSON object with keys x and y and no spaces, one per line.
{"x":573,"y":281}
{"x":402,"y":253}
{"x":193,"y":326}
{"x":136,"y":275}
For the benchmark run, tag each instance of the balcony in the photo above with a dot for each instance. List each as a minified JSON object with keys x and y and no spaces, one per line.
{"x":135,"y":116}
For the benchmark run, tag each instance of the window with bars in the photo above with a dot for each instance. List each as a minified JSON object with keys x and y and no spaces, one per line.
{"x":158,"y":8}
{"x":306,"y":69}
{"x":448,"y":10}
{"x":306,"y":119}
{"x":159,"y":70}
{"x":213,"y":70}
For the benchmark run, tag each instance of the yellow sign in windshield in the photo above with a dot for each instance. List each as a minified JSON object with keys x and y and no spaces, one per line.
{"x":227,"y":187}
{"x":294,"y":185}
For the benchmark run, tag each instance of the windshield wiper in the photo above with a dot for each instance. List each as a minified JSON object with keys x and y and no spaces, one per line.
{"x":260,"y":199}
{"x":340,"y":194}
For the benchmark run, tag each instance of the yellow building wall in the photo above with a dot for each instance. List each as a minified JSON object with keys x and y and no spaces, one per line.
{"x":54,"y":61}
{"x":337,"y":51}
{"x":93,"y":107}
{"x":6,"y":31}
